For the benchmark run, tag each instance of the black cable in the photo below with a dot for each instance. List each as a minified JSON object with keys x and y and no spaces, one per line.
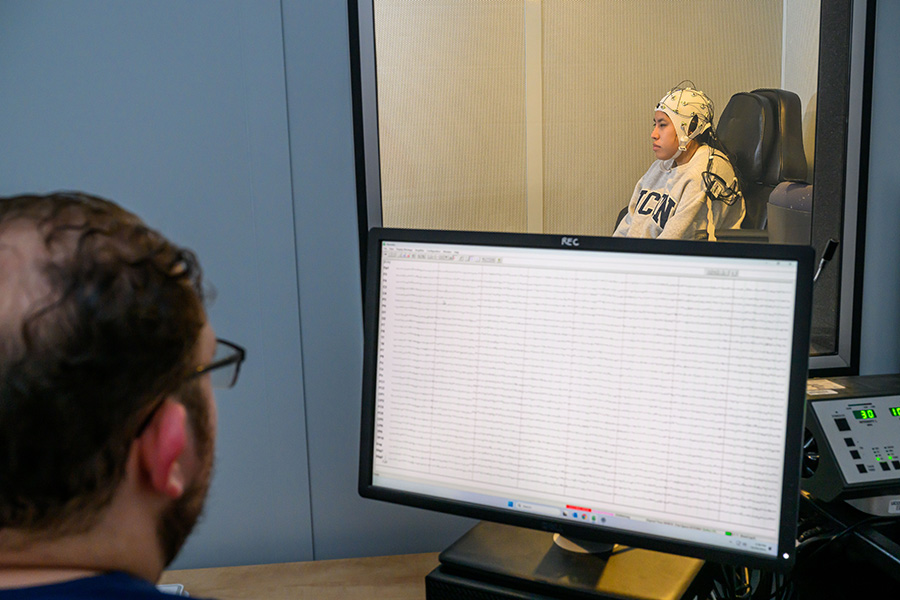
{"x":783,"y":590}
{"x":814,"y":525}
{"x":717,"y":189}
{"x":743,"y":584}
{"x":786,"y":589}
{"x":818,"y":530}
{"x":730,"y":192}
{"x":732,"y":584}
{"x":830,"y":539}
{"x":719,"y":584}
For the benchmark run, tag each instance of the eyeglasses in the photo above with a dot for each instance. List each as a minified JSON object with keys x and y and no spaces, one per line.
{"x":225,"y":366}
{"x":223,"y":373}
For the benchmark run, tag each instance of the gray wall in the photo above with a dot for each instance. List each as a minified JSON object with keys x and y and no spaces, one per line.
{"x":880,"y":344}
{"x":319,"y":104}
{"x":177,"y":110}
{"x":227,"y":125}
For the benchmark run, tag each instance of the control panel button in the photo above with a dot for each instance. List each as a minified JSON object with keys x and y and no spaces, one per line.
{"x":855,"y":455}
{"x":849,"y":441}
{"x":842,"y":424}
{"x":861,"y":468}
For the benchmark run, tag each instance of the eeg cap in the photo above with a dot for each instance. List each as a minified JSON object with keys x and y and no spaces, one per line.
{"x":683,"y":105}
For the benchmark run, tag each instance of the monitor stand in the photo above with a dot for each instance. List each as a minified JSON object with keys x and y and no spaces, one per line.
{"x":583,"y":546}
{"x":502,"y":561}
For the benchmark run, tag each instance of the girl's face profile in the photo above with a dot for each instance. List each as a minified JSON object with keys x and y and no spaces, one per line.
{"x":665,"y":140}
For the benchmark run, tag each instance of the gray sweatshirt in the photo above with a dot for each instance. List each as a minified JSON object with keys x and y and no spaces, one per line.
{"x":670,"y":201}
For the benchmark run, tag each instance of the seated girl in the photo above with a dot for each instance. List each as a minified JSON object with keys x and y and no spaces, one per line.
{"x":691,"y":190}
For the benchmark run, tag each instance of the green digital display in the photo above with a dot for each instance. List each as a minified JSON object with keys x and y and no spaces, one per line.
{"x":895,"y":411}
{"x":864,"y":414}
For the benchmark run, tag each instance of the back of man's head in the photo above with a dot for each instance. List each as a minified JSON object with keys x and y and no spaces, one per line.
{"x":99,"y":319}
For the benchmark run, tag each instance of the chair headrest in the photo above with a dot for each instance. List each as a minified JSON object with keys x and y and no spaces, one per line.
{"x":762,"y":132}
{"x":747,"y":130}
{"x":789,"y":162}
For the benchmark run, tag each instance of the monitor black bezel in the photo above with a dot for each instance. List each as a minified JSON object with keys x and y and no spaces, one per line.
{"x":802,"y":255}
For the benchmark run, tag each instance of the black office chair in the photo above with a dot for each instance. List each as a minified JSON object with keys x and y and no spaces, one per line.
{"x":761,"y":131}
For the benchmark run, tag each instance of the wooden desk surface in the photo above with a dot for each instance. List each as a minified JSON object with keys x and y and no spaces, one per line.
{"x":400,"y":577}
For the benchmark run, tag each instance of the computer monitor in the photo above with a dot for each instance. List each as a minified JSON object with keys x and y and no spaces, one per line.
{"x":641,"y":392}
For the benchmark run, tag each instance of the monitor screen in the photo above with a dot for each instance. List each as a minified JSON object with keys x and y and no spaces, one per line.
{"x":642,"y":392}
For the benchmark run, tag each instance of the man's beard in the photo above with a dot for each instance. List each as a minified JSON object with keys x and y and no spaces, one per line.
{"x":177,"y":521}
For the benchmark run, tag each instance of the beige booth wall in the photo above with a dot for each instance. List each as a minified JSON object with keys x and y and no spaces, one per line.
{"x":456,"y":95}
{"x":801,"y":55}
{"x":451,"y":109}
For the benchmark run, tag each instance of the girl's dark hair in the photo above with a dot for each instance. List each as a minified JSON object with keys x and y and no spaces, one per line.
{"x":113,"y":319}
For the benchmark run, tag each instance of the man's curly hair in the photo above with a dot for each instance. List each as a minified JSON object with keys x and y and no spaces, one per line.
{"x":99,"y":319}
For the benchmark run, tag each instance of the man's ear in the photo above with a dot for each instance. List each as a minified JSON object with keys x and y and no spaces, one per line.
{"x":161,"y":445}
